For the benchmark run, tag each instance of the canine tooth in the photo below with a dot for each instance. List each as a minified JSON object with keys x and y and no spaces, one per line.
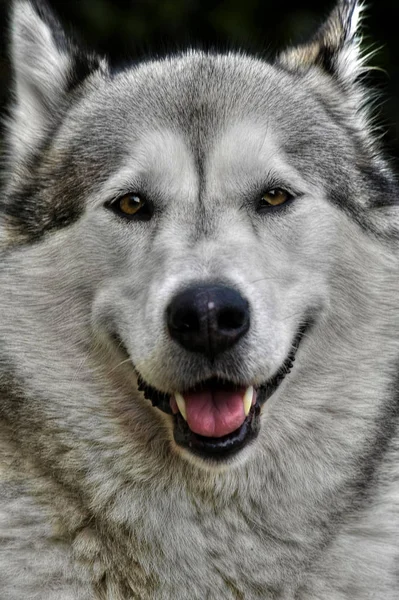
{"x":248,"y":400}
{"x":181,"y":403}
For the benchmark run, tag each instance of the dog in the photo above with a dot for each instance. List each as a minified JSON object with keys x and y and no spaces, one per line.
{"x":199,"y":325}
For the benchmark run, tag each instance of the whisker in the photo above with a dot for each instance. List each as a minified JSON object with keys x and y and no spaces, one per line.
{"x":267,"y":279}
{"x":119,"y":365}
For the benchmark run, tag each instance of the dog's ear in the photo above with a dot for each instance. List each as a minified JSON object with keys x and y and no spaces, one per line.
{"x":335,"y":48}
{"x":47,"y":67}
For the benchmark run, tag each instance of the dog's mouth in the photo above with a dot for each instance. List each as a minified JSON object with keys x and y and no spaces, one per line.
{"x":217,"y":418}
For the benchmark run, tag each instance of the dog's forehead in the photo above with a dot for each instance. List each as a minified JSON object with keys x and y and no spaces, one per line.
{"x":244,"y":150}
{"x":241,"y":155}
{"x":197,"y":95}
{"x":217,"y":104}
{"x":197,"y":119}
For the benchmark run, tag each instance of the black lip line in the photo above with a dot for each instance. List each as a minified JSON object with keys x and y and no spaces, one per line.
{"x":161,"y":400}
{"x":267,"y":389}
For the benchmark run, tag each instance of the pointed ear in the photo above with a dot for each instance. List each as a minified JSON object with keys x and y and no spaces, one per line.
{"x":335,"y":48}
{"x":46,"y":67}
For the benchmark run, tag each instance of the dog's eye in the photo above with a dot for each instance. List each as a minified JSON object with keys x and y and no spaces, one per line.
{"x":274,"y":197}
{"x":132,"y":206}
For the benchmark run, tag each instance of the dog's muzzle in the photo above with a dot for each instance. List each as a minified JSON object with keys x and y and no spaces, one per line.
{"x":216,"y":418}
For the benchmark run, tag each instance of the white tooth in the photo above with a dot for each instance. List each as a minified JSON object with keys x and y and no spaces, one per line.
{"x":248,"y":400}
{"x":181,"y":403}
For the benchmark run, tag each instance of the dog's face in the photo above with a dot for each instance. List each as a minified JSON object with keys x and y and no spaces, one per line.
{"x":204,"y":195}
{"x":204,"y":240}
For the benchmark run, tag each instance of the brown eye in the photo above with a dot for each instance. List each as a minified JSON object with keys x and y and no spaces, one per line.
{"x":132,"y":206}
{"x":275,"y":197}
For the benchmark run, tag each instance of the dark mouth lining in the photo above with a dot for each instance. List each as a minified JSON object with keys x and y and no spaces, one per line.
{"x":222,"y":448}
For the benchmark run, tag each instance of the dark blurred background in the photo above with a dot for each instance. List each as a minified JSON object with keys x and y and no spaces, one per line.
{"x":130,"y":29}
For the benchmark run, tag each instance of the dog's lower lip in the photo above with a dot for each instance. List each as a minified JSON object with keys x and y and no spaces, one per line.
{"x":221,"y":448}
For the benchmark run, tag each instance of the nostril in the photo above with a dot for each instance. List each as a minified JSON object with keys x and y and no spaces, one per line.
{"x":184,"y":320}
{"x":231,"y":319}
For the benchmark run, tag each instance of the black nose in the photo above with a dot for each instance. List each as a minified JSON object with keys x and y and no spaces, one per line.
{"x":208,"y":319}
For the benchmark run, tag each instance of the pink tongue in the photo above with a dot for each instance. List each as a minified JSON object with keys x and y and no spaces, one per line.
{"x":215,"y":413}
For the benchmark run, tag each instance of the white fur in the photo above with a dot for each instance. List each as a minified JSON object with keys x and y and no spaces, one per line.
{"x":351,"y":60}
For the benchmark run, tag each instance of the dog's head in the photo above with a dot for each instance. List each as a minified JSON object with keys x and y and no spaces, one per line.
{"x":202,"y":200}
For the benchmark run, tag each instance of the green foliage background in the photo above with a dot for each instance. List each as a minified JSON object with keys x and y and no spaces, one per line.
{"x":130,"y":29}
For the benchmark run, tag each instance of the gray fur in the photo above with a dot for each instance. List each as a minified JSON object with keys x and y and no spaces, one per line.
{"x":97,"y":500}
